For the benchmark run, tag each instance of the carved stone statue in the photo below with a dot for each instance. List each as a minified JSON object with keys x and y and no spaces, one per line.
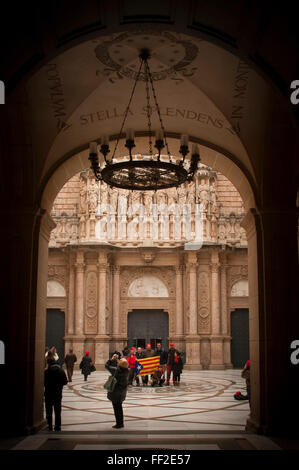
{"x":83,"y":192}
{"x":92,"y":196}
{"x":204,"y":200}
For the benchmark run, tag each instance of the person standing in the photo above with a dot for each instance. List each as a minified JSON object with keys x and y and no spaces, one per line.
{"x":54,"y":381}
{"x":132,"y":365}
{"x":86,"y":365}
{"x":170,"y":362}
{"x":112,"y":362}
{"x":118,"y":396}
{"x":53,"y":353}
{"x":163,"y":356}
{"x":117,"y":353}
{"x":139,"y":355}
{"x":177,"y":368}
{"x":149,"y":352}
{"x":69,"y":361}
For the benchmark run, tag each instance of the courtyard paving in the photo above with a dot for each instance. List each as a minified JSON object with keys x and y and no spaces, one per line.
{"x":200,"y":414}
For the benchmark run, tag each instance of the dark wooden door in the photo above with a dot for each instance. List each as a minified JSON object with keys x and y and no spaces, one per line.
{"x":240,"y":337}
{"x":148,"y":326}
{"x":55,"y":331}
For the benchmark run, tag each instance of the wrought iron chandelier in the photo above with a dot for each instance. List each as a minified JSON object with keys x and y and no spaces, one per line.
{"x":151,"y":173}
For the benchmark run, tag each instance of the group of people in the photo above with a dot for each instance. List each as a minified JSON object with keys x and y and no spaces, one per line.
{"x":170,"y":362}
{"x":124,"y":371}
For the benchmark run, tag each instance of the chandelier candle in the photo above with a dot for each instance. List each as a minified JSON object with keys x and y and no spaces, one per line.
{"x":93,"y":157}
{"x":105,"y":147}
{"x":130,"y":142}
{"x":184,"y":147}
{"x":195,"y":149}
{"x":184,"y":140}
{"x":93,"y":147}
{"x":159,"y":141}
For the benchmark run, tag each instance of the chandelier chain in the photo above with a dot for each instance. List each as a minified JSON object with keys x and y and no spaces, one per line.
{"x":148,"y":110}
{"x":127,"y":110}
{"x":145,"y":174}
{"x":158,"y":109}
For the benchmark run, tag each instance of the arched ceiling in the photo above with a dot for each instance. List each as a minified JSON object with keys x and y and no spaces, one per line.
{"x":202,"y":90}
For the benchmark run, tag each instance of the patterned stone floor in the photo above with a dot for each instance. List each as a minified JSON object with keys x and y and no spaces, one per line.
{"x":203,"y":401}
{"x":199,"y":414}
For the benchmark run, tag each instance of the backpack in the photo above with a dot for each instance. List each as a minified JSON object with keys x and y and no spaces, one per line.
{"x":239,"y":396}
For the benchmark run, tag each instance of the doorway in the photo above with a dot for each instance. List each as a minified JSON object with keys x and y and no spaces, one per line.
{"x":55,"y":331}
{"x":240,"y":337}
{"x":148,"y":326}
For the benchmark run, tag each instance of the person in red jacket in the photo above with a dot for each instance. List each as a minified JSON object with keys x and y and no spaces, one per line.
{"x":132,"y":365}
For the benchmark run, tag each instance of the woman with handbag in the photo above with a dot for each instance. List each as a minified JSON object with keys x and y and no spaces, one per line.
{"x":118,"y":390}
{"x":86,"y":365}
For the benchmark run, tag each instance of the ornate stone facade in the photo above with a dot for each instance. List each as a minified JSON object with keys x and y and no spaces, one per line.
{"x":115,"y":251}
{"x":86,"y":210}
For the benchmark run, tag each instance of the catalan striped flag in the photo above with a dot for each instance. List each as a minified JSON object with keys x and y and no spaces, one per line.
{"x":147,"y":365}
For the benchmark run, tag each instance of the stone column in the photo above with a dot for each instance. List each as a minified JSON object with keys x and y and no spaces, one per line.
{"x":193,"y":298}
{"x":102,"y":279}
{"x":179,"y":323}
{"x":116,"y":306}
{"x":224,"y":312}
{"x":216,"y":338}
{"x":192,"y":338}
{"x":71,"y":296}
{"x":70,"y":306}
{"x":273,"y":318}
{"x":102,"y":340}
{"x":79,"y":306}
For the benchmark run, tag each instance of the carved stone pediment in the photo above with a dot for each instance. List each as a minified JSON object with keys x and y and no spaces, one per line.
{"x":165,"y":274}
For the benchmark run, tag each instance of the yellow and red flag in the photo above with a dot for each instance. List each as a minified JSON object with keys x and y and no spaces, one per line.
{"x":147,"y":365}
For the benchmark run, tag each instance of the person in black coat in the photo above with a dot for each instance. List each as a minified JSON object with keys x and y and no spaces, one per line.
{"x":121,"y":373}
{"x":86,"y":365}
{"x":139,"y":355}
{"x":177,"y":368}
{"x":170,"y":362}
{"x":112,"y":362}
{"x":163,"y":356}
{"x":69,"y":361}
{"x":117,"y":353}
{"x":54,"y":380}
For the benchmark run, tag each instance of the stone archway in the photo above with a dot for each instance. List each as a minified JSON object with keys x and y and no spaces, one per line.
{"x":260,"y":225}
{"x":128,"y":304}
